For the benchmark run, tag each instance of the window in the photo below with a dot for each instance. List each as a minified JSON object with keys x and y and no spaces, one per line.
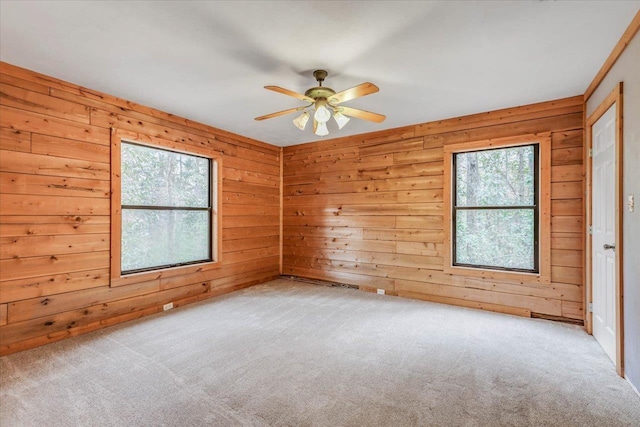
{"x":166,"y":208}
{"x":495,"y":208}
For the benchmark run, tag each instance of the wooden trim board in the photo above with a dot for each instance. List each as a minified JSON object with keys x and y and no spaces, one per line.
{"x":614,"y":97}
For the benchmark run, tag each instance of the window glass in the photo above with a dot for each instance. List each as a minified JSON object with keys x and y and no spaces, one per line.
{"x":502,"y":177}
{"x":495,"y":208}
{"x":154,"y":177}
{"x":166,"y":209}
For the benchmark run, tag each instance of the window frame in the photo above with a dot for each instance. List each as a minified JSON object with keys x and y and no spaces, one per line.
{"x":118,"y":277}
{"x":543,"y":275}
{"x":209,"y":208}
{"x":535,"y":207}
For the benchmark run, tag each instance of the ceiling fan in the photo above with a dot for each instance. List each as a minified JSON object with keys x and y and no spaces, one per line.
{"x":325,"y":102}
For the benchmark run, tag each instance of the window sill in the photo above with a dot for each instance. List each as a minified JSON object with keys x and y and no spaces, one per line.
{"x":164,"y":273}
{"x":518,"y":276}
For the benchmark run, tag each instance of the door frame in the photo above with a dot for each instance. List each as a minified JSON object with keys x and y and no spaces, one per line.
{"x":615,"y":97}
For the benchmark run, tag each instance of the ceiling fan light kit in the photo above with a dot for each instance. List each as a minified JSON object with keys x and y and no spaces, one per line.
{"x":325,"y":103}
{"x":301,"y":120}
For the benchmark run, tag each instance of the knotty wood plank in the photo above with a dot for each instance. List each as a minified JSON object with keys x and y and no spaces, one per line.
{"x":250,"y":255}
{"x":391,"y":147}
{"x":16,"y":183}
{"x":566,"y":257}
{"x":323,"y":232}
{"x":233,"y":198}
{"x":69,"y":149}
{"x":237,"y":210}
{"x":567,"y":224}
{"x":402,"y":171}
{"x":563,"y":173}
{"x":566,"y":156}
{"x":39,"y":123}
{"x":567,"y":139}
{"x":251,"y":243}
{"x":421,"y":196}
{"x":33,"y":287}
{"x":344,"y":244}
{"x":24,"y":84}
{"x":378,"y":258}
{"x":420,"y":248}
{"x":249,"y":176}
{"x":15,"y":140}
{"x":568,"y":207}
{"x":12,"y":96}
{"x":250,"y":221}
{"x":504,"y":116}
{"x":23,"y":268}
{"x":245,"y":232}
{"x":258,"y":156}
{"x":340,"y":184}
{"x":421,"y":156}
{"x":516,"y":311}
{"x":18,"y":204}
{"x":342,"y":221}
{"x":37,"y":164}
{"x":49,"y":324}
{"x":30,"y":246}
{"x":567,"y":190}
{"x":369,"y":162}
{"x":377,"y":198}
{"x":554,"y":123}
{"x":565,"y":274}
{"x":573,"y":310}
{"x":395,"y":209}
{"x":534,"y":304}
{"x":433,"y":222}
{"x":34,"y":308}
{"x":249,"y":188}
{"x":404,"y":235}
{"x":52,"y":225}
{"x":566,"y":241}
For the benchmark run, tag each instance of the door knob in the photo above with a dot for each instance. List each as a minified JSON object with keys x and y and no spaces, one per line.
{"x":606,"y":246}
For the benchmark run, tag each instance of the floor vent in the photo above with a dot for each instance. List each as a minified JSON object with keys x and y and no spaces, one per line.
{"x":321,"y":282}
{"x":557,"y":319}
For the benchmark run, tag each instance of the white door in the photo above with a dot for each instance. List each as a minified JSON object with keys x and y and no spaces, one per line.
{"x":604,"y":227}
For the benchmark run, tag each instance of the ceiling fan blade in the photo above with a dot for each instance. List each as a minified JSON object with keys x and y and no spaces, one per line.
{"x":354,"y":92}
{"x":280,"y":113}
{"x":290,"y":93}
{"x":362,"y":114}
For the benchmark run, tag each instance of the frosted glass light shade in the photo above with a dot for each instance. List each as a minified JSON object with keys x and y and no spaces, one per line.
{"x":320,"y":129}
{"x":301,"y":120}
{"x":340,"y":119}
{"x":322,"y":114}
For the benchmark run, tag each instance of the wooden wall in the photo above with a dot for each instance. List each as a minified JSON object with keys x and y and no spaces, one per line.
{"x":368,"y":210}
{"x":55,"y":214}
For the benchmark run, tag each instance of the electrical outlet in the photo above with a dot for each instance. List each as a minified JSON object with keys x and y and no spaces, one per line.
{"x":631,"y":203}
{"x":380,"y":291}
{"x":168,"y":306}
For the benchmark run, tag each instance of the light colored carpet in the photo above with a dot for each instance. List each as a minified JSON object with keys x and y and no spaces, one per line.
{"x":287,"y":353}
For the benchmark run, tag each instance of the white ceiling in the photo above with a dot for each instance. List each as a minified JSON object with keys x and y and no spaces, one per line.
{"x":208,"y":61}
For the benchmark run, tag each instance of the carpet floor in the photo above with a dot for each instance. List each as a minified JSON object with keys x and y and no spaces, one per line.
{"x":287,"y":353}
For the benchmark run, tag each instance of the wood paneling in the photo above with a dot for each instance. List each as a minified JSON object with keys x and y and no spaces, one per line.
{"x":55,"y":219}
{"x":368,"y":210}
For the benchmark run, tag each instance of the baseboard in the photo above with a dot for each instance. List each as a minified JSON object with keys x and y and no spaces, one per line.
{"x":632,"y":386}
